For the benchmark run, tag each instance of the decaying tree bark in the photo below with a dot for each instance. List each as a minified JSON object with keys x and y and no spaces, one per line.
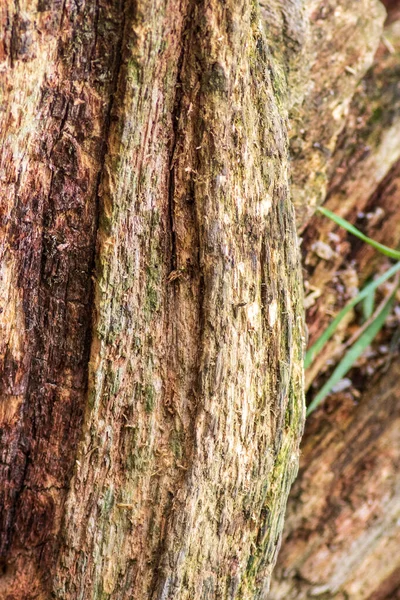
{"x":151,"y":318}
{"x":195,"y":408}
{"x":342,"y":533}
{"x":147,"y":221}
{"x":340,"y":47}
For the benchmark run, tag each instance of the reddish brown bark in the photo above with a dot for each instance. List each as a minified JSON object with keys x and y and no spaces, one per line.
{"x":53,"y":143}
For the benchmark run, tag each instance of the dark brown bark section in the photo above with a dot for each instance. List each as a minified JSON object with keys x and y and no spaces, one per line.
{"x":393,"y":9}
{"x":49,"y":226}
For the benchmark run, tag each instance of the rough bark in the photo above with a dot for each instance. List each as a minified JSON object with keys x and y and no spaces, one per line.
{"x":342,"y":530}
{"x":343,"y":37}
{"x":58,"y":69}
{"x":342,"y":537}
{"x":151,"y":333}
{"x":363,"y":188}
{"x":146,"y":220}
{"x":195,"y":415}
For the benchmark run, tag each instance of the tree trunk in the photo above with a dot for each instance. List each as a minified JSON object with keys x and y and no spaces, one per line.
{"x":151,"y":318}
{"x":152,"y":321}
{"x":342,"y":531}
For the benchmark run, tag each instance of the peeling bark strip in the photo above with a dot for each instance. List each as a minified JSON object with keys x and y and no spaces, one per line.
{"x":159,"y":129}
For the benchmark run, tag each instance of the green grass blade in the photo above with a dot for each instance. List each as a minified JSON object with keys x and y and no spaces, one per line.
{"x":351,"y":229}
{"x":330,"y":330}
{"x":353,"y":353}
{"x":368,"y":305}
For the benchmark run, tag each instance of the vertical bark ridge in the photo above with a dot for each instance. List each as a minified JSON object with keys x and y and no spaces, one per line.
{"x":195,"y":396}
{"x":137,"y":421}
{"x":56,"y":91}
{"x":162,"y":124}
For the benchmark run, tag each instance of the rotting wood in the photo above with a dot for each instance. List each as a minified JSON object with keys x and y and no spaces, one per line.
{"x":58,"y":66}
{"x":341,"y":534}
{"x":144,"y":140}
{"x":197,"y":183}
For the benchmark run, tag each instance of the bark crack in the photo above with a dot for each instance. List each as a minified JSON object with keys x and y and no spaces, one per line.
{"x":175,"y":136}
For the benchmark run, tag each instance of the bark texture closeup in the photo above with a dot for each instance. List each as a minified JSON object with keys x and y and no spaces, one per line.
{"x":151,"y":322}
{"x":341,"y":537}
{"x":156,"y":160}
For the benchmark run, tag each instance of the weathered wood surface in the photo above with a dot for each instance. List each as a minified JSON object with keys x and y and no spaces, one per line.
{"x":342,"y":530}
{"x":339,"y":49}
{"x":57,"y":72}
{"x":151,"y":335}
{"x":146,"y":220}
{"x":342,"y":535}
{"x":195,"y":391}
{"x":363,"y":188}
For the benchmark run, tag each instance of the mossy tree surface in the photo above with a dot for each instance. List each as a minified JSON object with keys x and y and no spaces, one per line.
{"x":151,"y":322}
{"x":152,"y":299}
